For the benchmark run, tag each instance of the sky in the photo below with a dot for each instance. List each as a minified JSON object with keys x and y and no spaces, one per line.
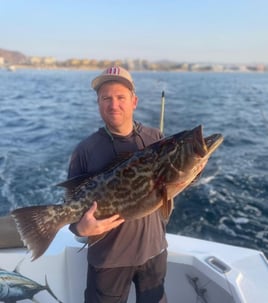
{"x":216,"y":31}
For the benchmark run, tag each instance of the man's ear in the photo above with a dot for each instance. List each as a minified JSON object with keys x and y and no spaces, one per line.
{"x":135,"y":101}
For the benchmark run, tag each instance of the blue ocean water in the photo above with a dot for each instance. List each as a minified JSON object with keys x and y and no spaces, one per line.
{"x":44,"y":114}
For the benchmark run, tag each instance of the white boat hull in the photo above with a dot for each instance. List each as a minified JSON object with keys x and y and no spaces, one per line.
{"x":198,"y":271}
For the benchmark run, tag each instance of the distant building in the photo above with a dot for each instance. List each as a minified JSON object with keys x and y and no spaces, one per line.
{"x":184,"y":66}
{"x":2,"y":61}
{"x":49,"y":60}
{"x":35,"y":60}
{"x":261,"y":68}
{"x":217,"y":68}
{"x":85,"y":62}
{"x":73,"y":62}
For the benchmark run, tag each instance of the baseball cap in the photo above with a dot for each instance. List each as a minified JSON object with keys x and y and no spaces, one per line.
{"x":114,"y":73}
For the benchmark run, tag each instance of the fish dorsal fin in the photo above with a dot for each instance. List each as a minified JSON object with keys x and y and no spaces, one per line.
{"x":17,"y":268}
{"x":122,"y":157}
{"x":72,"y":183}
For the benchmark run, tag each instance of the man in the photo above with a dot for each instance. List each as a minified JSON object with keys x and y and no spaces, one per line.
{"x":131,"y":251}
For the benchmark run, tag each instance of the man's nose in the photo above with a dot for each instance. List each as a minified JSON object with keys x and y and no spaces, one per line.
{"x":114,"y":103}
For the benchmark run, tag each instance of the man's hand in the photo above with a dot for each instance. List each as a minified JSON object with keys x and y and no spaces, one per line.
{"x":90,"y":226}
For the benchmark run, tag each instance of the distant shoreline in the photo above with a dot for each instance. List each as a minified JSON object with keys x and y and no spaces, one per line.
{"x":13,"y":60}
{"x":14,"y":67}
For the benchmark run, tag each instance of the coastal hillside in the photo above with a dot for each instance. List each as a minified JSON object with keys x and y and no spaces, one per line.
{"x":12,"y":57}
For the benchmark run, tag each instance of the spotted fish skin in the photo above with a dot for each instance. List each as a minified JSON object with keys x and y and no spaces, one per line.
{"x":133,"y":188}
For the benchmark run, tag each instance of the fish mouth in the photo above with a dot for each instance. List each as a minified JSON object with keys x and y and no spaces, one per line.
{"x":213,"y":142}
{"x":205,"y":146}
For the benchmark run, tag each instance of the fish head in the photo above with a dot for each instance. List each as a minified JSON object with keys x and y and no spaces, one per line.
{"x":184,"y":155}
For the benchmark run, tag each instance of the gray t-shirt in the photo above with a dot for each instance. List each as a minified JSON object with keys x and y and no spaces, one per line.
{"x":135,"y":241}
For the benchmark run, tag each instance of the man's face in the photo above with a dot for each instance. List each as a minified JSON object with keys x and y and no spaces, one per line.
{"x":116,"y":105}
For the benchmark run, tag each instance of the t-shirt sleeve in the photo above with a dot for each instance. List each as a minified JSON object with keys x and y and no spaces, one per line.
{"x":75,"y":168}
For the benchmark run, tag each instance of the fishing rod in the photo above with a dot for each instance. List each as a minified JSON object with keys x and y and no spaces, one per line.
{"x":161,"y":126}
{"x":170,"y":202}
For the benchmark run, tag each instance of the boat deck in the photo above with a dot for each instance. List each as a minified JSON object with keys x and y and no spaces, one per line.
{"x":198,"y":271}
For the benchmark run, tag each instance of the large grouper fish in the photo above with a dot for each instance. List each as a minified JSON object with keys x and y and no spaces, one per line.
{"x":134,"y":187}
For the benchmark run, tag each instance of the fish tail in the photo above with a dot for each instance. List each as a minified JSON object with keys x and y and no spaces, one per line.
{"x":50,"y":291}
{"x":38,"y":226}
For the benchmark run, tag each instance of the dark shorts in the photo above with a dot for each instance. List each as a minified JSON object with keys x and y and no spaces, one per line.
{"x":112,"y":285}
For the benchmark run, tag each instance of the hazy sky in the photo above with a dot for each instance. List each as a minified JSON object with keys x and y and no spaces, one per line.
{"x":180,"y":30}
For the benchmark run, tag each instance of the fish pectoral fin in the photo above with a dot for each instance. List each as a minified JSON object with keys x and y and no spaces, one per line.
{"x":170,"y":206}
{"x":92,"y":240}
{"x":167,"y":208}
{"x":163,"y":208}
{"x":167,"y":204}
